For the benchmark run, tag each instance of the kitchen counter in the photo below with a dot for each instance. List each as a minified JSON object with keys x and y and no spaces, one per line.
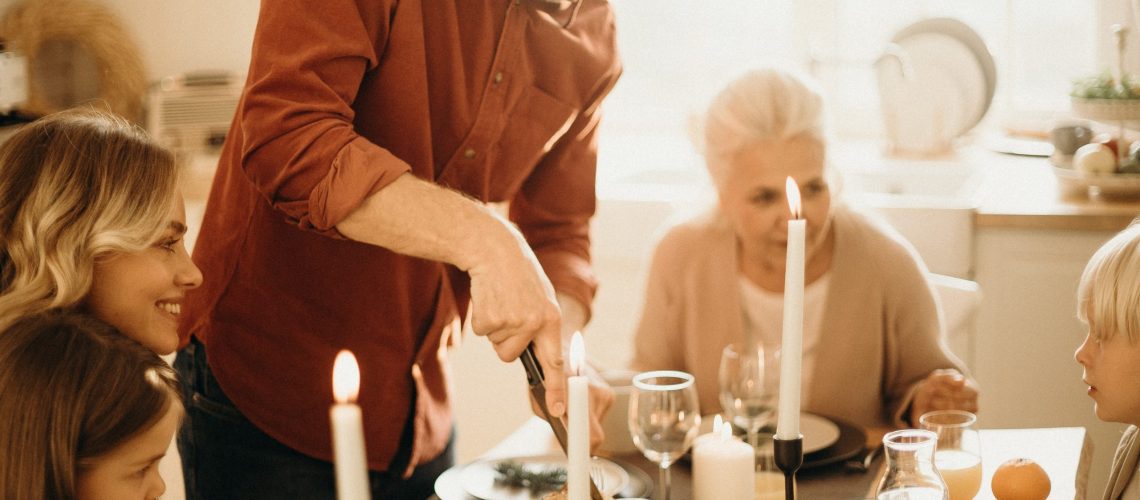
{"x":1022,"y":192}
{"x":1008,"y":191}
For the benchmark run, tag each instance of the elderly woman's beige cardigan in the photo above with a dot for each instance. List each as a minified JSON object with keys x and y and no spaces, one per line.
{"x":881,"y":330}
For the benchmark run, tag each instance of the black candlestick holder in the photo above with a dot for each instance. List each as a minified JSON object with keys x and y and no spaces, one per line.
{"x":789,"y":455}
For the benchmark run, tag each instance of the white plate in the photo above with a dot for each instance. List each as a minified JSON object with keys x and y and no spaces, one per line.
{"x":948,"y":79}
{"x":819,"y":432}
{"x":967,"y":37}
{"x":478,"y":478}
{"x":936,"y":82}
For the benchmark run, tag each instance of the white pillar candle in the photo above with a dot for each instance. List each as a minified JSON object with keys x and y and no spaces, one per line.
{"x":578,"y":440}
{"x":791,"y":350}
{"x":723,"y":467}
{"x":348,"y":431}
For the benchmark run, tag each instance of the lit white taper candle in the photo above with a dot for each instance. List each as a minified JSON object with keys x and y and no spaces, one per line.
{"x":348,"y":430}
{"x":791,"y":350}
{"x":578,"y":440}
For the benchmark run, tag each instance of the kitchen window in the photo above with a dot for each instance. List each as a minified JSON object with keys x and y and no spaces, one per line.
{"x":679,"y":53}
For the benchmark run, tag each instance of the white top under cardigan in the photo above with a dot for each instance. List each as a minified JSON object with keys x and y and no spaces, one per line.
{"x":763,"y":313}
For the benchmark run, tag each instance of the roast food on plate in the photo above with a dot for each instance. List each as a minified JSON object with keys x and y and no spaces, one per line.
{"x":551,"y":480}
{"x":532,"y":478}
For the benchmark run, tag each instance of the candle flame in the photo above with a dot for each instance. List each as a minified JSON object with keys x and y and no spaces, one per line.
{"x":726,"y":432}
{"x":718,"y":422}
{"x":346,"y":377}
{"x":577,"y":353}
{"x":793,"y":197}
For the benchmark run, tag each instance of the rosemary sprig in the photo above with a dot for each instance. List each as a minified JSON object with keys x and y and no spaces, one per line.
{"x":516,"y":475}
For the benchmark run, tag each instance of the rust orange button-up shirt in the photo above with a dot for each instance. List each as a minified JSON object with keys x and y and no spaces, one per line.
{"x":494,"y":98}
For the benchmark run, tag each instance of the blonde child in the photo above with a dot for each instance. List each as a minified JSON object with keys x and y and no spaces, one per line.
{"x":1108,"y":302}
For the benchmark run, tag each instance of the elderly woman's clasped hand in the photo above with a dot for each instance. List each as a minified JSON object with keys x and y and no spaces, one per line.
{"x":945,"y":389}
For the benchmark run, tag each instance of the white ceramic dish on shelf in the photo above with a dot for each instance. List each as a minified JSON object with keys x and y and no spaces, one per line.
{"x":936,"y":82}
{"x":969,"y":38}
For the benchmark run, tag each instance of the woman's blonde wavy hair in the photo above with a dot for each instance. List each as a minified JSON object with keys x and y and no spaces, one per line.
{"x":75,"y":186}
{"x":1109,"y":290}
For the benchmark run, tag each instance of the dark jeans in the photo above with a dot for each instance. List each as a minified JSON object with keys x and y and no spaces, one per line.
{"x":224,"y":456}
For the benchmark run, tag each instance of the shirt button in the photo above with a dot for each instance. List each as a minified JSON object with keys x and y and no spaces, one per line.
{"x":498,"y":76}
{"x":469,"y":154}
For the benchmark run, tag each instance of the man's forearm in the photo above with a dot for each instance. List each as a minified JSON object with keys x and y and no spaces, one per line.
{"x":414,"y":217}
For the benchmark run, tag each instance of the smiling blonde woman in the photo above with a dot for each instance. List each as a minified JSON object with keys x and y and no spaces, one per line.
{"x":90,"y":218}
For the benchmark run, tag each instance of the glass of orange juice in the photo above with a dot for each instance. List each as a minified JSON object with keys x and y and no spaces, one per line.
{"x":958,"y":456}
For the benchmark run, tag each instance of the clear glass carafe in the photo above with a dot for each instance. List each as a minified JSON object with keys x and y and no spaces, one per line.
{"x":911,"y":474}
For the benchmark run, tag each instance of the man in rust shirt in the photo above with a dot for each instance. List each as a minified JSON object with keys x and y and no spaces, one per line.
{"x":349,"y":212}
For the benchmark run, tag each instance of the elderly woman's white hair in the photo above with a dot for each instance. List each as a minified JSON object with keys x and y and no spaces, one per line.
{"x":1110,"y":287}
{"x":761,"y":105}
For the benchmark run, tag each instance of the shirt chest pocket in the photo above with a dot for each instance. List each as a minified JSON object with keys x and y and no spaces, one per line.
{"x":527,"y":131}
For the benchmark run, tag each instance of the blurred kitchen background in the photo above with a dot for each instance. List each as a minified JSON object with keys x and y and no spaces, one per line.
{"x":967,"y":179}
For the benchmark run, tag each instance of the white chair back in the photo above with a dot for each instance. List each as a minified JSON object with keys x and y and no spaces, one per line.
{"x":959,"y":301}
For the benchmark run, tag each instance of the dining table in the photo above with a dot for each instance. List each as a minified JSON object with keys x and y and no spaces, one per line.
{"x":1064,"y":452}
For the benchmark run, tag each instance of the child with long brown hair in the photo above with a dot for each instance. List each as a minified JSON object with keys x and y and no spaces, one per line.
{"x":85,"y":412}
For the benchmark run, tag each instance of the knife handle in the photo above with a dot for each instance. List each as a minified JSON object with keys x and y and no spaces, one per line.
{"x":534,"y":373}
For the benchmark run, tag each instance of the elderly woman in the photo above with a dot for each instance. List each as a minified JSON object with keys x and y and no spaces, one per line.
{"x":872,"y":345}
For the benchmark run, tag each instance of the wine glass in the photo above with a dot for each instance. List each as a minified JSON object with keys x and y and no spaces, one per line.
{"x":748,"y":387}
{"x":664,"y":418}
{"x":959,"y":455}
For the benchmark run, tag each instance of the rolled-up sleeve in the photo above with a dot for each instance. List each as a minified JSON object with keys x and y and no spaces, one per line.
{"x":300,"y":149}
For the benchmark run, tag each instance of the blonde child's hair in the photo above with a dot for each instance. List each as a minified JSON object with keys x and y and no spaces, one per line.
{"x":75,"y":186}
{"x":1109,"y":289}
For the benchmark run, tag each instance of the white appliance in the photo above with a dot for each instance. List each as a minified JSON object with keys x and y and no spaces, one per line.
{"x":13,"y":81}
{"x":191,"y":113}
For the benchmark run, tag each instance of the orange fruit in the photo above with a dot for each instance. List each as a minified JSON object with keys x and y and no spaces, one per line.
{"x":1020,"y":479}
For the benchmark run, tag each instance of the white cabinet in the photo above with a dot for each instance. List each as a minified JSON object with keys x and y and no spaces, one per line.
{"x":1027,"y":333}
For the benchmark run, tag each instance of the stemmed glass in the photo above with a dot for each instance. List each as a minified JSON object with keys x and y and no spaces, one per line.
{"x":748,"y":388}
{"x":664,"y":418}
{"x":959,"y":455}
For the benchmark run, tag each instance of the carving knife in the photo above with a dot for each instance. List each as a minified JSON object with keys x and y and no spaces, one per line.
{"x":536,"y":379}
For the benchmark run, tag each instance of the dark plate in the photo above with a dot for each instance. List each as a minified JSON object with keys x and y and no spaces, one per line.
{"x":851,"y":441}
